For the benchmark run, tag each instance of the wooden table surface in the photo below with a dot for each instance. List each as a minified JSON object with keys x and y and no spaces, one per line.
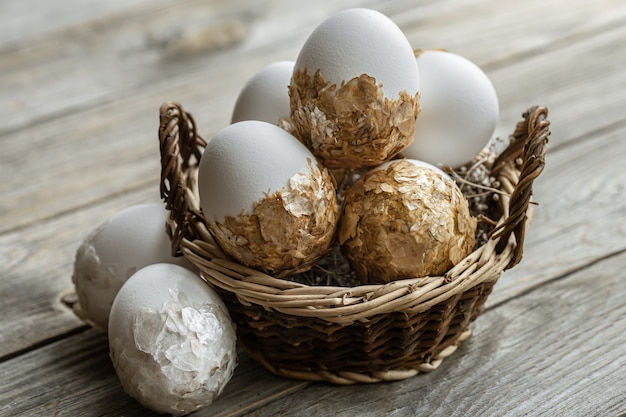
{"x":81,"y":83}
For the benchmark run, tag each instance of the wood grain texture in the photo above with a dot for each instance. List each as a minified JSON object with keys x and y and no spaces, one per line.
{"x":120,"y":135}
{"x":520,"y":361}
{"x":555,"y":244}
{"x":568,"y":233}
{"x":37,"y":265}
{"x":74,"y":376}
{"x":81,"y":85}
{"x":557,"y":351}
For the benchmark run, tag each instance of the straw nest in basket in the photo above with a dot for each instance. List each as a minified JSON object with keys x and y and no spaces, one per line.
{"x":323,"y":325}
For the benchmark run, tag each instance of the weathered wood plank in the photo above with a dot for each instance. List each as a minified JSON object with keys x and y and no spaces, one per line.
{"x":22,"y":19}
{"x":557,"y":351}
{"x":548,"y":254}
{"x":582,"y":95}
{"x":554,"y":351}
{"x":116,"y":48}
{"x":118,"y":54}
{"x":580,"y":217}
{"x":37,"y":264}
{"x":75,"y":376}
{"x":114,"y":146}
{"x":97,"y":61}
{"x":50,"y":251}
{"x":496,"y":34}
{"x":81,"y":89}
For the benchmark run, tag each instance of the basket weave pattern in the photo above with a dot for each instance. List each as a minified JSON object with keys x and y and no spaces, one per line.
{"x":345,"y":335}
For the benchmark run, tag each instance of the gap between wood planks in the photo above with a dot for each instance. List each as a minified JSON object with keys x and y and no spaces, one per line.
{"x":489,"y":65}
{"x":556,"y":44}
{"x":138,"y":184}
{"x":556,"y":278}
{"x":616,"y":125}
{"x":45,"y":342}
{"x":141,"y":187}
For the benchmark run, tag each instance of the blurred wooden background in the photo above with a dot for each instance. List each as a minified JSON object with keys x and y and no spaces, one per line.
{"x":81,"y":82}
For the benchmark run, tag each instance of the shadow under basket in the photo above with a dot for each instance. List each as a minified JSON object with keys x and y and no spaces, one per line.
{"x":366,"y":333}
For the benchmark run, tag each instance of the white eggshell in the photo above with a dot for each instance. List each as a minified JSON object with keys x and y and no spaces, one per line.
{"x":133,"y":238}
{"x":265,"y":96}
{"x":171,"y":340}
{"x":245,"y":162}
{"x":459,"y":110}
{"x":357,"y":41}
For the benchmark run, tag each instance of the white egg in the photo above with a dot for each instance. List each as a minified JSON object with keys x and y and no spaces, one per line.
{"x":361,"y":41}
{"x":354,"y":93}
{"x":171,"y":340}
{"x":266,"y":199}
{"x":459,"y":110}
{"x":265,"y":96}
{"x":133,"y":238}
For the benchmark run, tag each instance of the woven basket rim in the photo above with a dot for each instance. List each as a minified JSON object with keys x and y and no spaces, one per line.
{"x":345,"y":305}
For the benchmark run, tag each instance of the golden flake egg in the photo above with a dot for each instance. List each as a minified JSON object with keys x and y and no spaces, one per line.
{"x":354,"y":93}
{"x":405,"y":219}
{"x":268,"y":202}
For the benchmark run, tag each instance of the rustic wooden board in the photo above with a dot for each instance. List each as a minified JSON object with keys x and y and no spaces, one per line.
{"x":37,"y":264}
{"x":571,"y":167}
{"x":66,"y":376}
{"x":82,"y":82}
{"x":26,"y":19}
{"x":557,"y":261}
{"x":115,"y":144}
{"x":581,"y":83}
{"x":556,"y":351}
{"x":94,"y":59}
{"x":580,"y":195}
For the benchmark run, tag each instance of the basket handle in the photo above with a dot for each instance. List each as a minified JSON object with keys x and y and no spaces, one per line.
{"x":181,"y":148}
{"x":528,"y":145}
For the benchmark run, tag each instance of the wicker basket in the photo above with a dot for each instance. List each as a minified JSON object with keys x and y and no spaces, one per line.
{"x":367,"y":333}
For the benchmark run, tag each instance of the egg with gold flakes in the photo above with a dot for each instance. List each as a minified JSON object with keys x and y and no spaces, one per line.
{"x":405,"y":219}
{"x":267,"y":201}
{"x":354,"y":93}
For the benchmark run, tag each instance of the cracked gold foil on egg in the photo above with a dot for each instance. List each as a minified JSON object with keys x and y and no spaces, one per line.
{"x":289,"y":230}
{"x":353,"y":125}
{"x":405,"y":221}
